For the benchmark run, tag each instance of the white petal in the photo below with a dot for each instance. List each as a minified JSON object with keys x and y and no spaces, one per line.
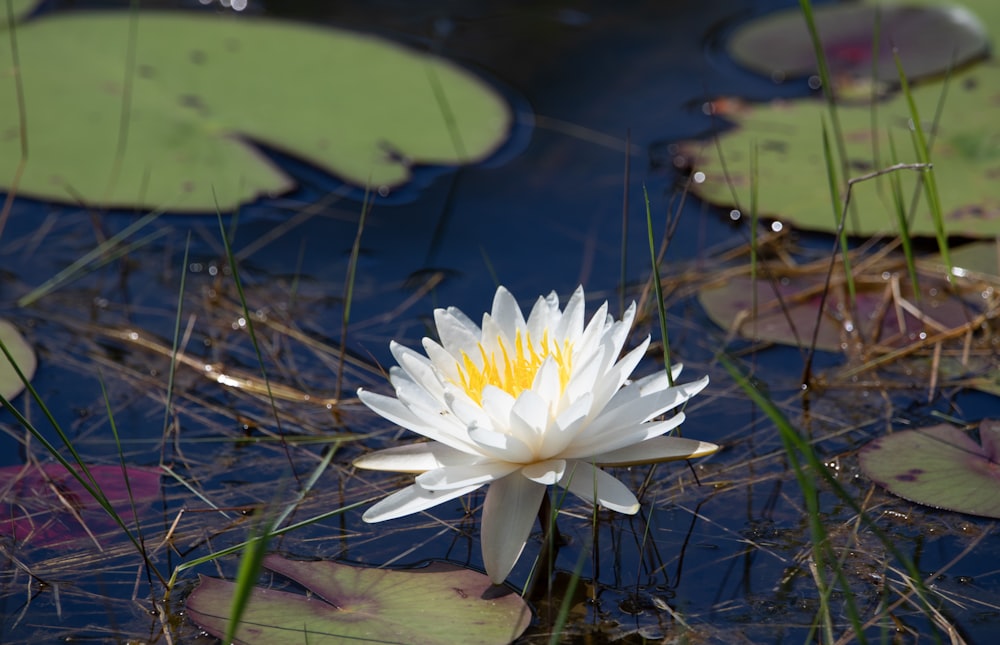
{"x":529,"y":417}
{"x":507,"y":313}
{"x":585,"y":447}
{"x":643,"y":400}
{"x":607,"y":386}
{"x":509,"y":512}
{"x":595,"y":328}
{"x":463,"y":476}
{"x":571,"y":324}
{"x":442,"y":360}
{"x":545,"y":472}
{"x":466,"y":411}
{"x":547,"y":383}
{"x":585,"y":375}
{"x":414,"y":395}
{"x":458,"y":334}
{"x":394,"y":410}
{"x":495,"y":339}
{"x":560,"y":434}
{"x":656,"y":450}
{"x":591,"y":483}
{"x":412,"y":499}
{"x":419,"y":368}
{"x":543,"y":314}
{"x":497,"y":404}
{"x":413,"y":458}
{"x":501,"y":446}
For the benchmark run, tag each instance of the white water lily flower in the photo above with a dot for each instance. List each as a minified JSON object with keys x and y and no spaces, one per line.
{"x":520,"y":404}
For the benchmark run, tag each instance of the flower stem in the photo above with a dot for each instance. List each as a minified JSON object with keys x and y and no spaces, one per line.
{"x":552,"y":539}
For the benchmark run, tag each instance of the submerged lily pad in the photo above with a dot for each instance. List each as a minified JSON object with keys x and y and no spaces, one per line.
{"x":441,"y":604}
{"x":929,"y":40}
{"x":788,"y":310}
{"x":939,"y":466}
{"x":10,"y":383}
{"x":201,"y":93}
{"x":47,"y":506}
{"x":791,"y":175}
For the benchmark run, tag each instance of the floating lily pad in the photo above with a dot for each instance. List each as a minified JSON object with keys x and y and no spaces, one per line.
{"x":939,"y":466}
{"x":930,"y":40}
{"x":788,"y":310}
{"x":977,"y":261}
{"x":791,"y":177}
{"x":10,"y":383}
{"x":986,"y":11}
{"x":205,"y":89}
{"x":441,"y":604}
{"x":47,"y":506}
{"x":976,"y":372}
{"x":20,"y":9}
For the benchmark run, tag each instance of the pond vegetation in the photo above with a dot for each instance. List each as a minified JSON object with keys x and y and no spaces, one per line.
{"x":183,"y":464}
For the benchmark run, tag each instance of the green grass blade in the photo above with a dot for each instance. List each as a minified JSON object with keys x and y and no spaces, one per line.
{"x":922,"y":149}
{"x":171,"y":374}
{"x":352,"y":268}
{"x":839,"y":214}
{"x":904,"y":225}
{"x":77,"y":267}
{"x":658,"y":287}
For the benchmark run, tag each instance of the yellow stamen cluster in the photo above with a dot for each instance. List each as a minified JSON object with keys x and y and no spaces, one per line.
{"x":513,"y":371}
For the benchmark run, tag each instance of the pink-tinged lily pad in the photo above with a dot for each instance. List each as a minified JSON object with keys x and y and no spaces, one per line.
{"x":787,"y":310}
{"x":10,"y":383}
{"x":47,"y":506}
{"x":929,"y":40}
{"x":939,"y":466}
{"x":441,"y":604}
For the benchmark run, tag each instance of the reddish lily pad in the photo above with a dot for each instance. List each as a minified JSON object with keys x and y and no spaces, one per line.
{"x":10,"y":383}
{"x":788,"y":310}
{"x":939,"y":466}
{"x":46,"y":505}
{"x":930,"y":40}
{"x":441,"y":604}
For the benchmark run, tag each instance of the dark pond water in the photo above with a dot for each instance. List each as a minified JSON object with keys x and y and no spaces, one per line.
{"x":727,"y":560}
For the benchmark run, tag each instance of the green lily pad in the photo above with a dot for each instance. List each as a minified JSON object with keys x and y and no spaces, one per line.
{"x":930,"y":40}
{"x":10,"y":383}
{"x":939,"y":466}
{"x":19,"y":8}
{"x":206,"y":89}
{"x":977,"y":261}
{"x":440,"y":604}
{"x":788,"y":310}
{"x":987,"y":11}
{"x":791,"y":178}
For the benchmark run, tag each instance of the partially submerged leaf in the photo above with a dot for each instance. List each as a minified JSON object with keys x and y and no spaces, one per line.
{"x":791,"y":180}
{"x":206,"y":89}
{"x":47,"y":506}
{"x":436,"y":605}
{"x":939,"y":466}
{"x":10,"y":383}
{"x":929,"y":40}
{"x":788,"y":310}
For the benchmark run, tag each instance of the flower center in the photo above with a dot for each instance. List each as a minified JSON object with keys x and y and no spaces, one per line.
{"x":514,"y":369}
